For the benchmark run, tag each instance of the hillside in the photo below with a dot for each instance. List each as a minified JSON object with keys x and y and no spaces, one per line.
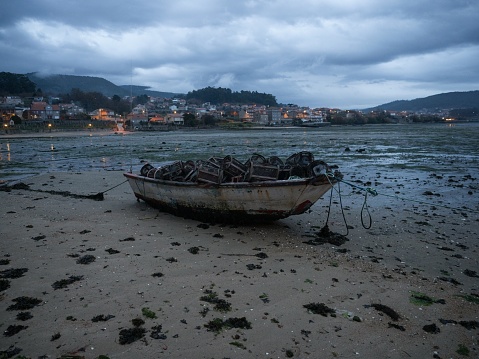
{"x":61,"y":84}
{"x":449,"y":100}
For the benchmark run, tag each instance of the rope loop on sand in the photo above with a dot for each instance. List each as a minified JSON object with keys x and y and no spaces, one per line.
{"x":374,"y":192}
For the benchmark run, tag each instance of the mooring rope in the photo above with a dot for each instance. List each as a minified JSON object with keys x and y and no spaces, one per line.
{"x":118,"y":185}
{"x":374,"y":192}
{"x":371,"y":191}
{"x":96,"y":197}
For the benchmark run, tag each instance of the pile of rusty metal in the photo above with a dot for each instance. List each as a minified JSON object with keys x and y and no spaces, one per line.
{"x":218,"y":170}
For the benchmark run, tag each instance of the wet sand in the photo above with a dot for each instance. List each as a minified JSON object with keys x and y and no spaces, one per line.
{"x":118,"y":279}
{"x":59,"y":133}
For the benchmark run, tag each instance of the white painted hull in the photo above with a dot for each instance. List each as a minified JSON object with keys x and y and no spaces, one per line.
{"x":232,"y":202}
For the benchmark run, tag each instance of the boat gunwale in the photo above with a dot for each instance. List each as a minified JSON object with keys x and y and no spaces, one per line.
{"x":317,"y":180}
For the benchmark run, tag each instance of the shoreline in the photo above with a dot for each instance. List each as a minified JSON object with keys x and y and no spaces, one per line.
{"x":60,"y":133}
{"x":418,"y":261}
{"x":86,"y":132}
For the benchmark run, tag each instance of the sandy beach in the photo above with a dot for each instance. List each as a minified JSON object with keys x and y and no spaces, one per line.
{"x":118,"y":279}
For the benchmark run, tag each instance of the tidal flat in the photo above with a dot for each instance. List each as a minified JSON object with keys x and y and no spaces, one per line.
{"x":404,"y":284}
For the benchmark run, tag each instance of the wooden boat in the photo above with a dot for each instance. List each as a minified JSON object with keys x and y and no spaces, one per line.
{"x":263,"y":190}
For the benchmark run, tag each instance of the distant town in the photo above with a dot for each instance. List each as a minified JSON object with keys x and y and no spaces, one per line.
{"x":40,"y":113}
{"x":80,"y":110}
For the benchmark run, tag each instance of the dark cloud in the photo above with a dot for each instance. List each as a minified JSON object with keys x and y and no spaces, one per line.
{"x":310,"y":52}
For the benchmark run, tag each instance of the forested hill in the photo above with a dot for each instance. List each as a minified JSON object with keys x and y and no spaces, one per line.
{"x":225,"y":95}
{"x":60,"y":84}
{"x":449,"y":100}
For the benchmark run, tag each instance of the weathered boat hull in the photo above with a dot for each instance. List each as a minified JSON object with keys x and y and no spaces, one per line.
{"x":231,"y":202}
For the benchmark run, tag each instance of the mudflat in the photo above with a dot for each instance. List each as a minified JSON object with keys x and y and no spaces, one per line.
{"x":81,"y":278}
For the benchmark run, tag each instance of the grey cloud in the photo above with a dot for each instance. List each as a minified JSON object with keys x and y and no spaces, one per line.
{"x":308,"y":52}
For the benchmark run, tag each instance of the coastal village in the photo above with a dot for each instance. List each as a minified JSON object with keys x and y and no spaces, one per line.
{"x":49,"y":113}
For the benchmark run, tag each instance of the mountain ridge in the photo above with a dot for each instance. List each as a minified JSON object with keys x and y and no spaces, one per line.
{"x":447,"y":100}
{"x":61,"y":84}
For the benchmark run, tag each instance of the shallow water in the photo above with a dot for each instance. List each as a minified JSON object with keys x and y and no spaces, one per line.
{"x":440,"y":148}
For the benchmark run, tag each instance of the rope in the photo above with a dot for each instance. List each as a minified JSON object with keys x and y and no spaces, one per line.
{"x":365,"y":208}
{"x":376,"y":193}
{"x":118,"y":185}
{"x":330,"y":176}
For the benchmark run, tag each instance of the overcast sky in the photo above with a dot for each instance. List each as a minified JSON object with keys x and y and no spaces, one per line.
{"x":331,"y":53}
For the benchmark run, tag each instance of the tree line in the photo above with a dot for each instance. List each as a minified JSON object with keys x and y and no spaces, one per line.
{"x":16,"y":85}
{"x":93,"y":100}
{"x":222,"y":95}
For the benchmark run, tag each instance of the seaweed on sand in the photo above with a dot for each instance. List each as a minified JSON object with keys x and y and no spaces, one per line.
{"x":60,"y":284}
{"x":112,"y":251}
{"x":4,"y":284}
{"x":128,"y":336}
{"x":325,"y":235}
{"x":220,"y":305}
{"x":473,"y":298}
{"x":387,"y":310}
{"x":24,"y":316}
{"x":10,"y":352}
{"x":86,"y":259}
{"x":217,"y":325}
{"x":148,"y":313}
{"x":418,"y":298}
{"x":24,"y":303}
{"x":13,"y":329}
{"x":319,"y":308}
{"x":156,"y":332}
{"x":102,"y":318}
{"x":194,"y":250}
{"x":13,"y":273}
